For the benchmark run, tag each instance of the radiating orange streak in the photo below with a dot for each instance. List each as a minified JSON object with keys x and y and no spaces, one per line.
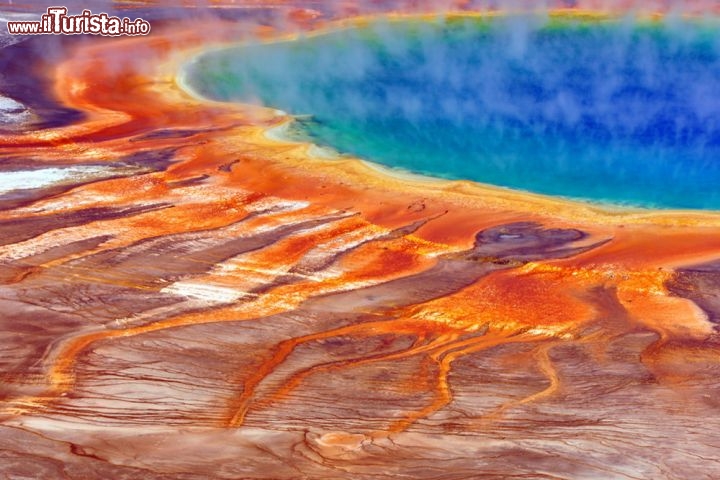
{"x":239,"y":407}
{"x":60,"y":374}
{"x":144,"y":227}
{"x":61,"y":377}
{"x":544,"y":363}
{"x":158,"y":224}
{"x":444,"y":359}
{"x":448,"y":347}
{"x":297,"y":378}
{"x":546,"y":367}
{"x":291,"y":250}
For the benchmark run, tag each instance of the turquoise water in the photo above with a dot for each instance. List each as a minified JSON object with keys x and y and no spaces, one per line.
{"x":621,"y":112}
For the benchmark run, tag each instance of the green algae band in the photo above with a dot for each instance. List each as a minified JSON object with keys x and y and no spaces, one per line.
{"x":616,"y":111}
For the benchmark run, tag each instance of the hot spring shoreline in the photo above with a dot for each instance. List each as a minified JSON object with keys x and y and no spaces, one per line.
{"x":606,"y":212}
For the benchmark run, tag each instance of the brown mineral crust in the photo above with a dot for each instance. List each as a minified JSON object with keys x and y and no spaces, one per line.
{"x":16,"y":230}
{"x":237,"y":309}
{"x":701,"y":284}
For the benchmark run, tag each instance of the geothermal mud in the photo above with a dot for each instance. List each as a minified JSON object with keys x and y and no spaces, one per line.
{"x":220,"y":305}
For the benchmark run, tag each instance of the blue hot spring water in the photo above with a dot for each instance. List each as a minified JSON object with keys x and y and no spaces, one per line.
{"x":620,"y":111}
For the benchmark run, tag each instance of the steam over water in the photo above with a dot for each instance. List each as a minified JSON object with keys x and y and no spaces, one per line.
{"x":614,"y":111}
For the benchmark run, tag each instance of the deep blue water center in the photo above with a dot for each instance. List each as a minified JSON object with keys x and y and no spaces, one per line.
{"x":611,"y":111}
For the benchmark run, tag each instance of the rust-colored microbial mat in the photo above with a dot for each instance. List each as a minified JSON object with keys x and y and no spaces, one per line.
{"x":190,"y":299}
